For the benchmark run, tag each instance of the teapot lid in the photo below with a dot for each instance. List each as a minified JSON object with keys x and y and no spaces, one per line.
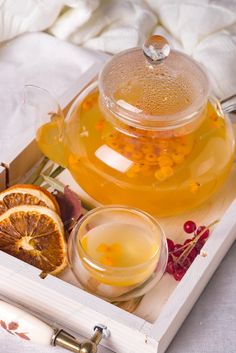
{"x":154,"y":86}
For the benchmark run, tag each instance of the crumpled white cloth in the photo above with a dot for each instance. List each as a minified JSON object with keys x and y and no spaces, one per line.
{"x":205,"y":29}
{"x":22,"y":16}
{"x":113,"y":26}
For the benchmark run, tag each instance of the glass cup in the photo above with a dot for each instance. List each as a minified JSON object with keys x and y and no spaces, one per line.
{"x":117,"y":253}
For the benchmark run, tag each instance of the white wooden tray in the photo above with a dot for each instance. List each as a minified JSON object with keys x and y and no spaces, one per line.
{"x":161,"y":312}
{"x":153,"y":324}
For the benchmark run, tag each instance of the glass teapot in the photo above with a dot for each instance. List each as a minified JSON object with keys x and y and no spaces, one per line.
{"x":146,"y":134}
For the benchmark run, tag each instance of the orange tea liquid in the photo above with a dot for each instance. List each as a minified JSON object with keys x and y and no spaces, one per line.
{"x":121,"y":245}
{"x":163,"y":176}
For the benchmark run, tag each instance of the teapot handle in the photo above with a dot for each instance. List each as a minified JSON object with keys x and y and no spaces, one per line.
{"x":49,"y":122}
{"x":228,"y":104}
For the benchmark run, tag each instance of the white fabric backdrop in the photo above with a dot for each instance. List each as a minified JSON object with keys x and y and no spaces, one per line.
{"x":205,"y":29}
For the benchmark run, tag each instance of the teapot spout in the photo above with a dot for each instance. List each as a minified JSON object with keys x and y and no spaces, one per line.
{"x":49,"y":123}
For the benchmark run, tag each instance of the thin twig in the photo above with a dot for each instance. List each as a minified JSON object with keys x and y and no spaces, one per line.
{"x":187,"y":251}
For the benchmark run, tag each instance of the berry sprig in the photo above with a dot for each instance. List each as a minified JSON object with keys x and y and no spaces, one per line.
{"x":181,"y":256}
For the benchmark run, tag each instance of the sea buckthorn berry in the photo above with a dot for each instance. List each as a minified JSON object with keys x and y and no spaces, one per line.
{"x":164,"y":152}
{"x":137,"y":156}
{"x":107,"y":261}
{"x":114,"y":144}
{"x":159,"y":175}
{"x":167,"y":171}
{"x":129,"y":148}
{"x":100,"y":125}
{"x":194,"y":186}
{"x":103,"y":248}
{"x":189,"y":227}
{"x":185,"y":150}
{"x":150,"y":157}
{"x":111,"y":138}
{"x":147,"y":149}
{"x":178,"y":158}
{"x":163,"y":143}
{"x":184,"y":140}
{"x":164,"y":173}
{"x":135,"y":168}
{"x":165,"y":161}
{"x":145,"y":170}
{"x":86,"y":105}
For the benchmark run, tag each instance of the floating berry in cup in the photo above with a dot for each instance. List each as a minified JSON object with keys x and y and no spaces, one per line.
{"x":170,"y":245}
{"x":189,"y":227}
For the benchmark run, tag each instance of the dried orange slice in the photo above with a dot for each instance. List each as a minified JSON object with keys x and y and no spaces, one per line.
{"x":34,"y":234}
{"x":27,"y":194}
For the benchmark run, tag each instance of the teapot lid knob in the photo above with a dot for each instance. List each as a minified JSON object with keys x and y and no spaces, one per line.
{"x":156,"y":48}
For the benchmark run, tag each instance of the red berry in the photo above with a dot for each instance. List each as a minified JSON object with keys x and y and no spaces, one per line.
{"x":193,"y":253}
{"x":177,"y":266}
{"x":200,"y":229}
{"x":179,"y":274}
{"x":187,"y":241}
{"x":170,"y":245}
{"x":170,"y":268}
{"x":189,"y":227}
{"x":170,"y":258}
{"x":175,"y":251}
{"x":186,"y":263}
{"x":199,"y":245}
{"x":205,"y":235}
